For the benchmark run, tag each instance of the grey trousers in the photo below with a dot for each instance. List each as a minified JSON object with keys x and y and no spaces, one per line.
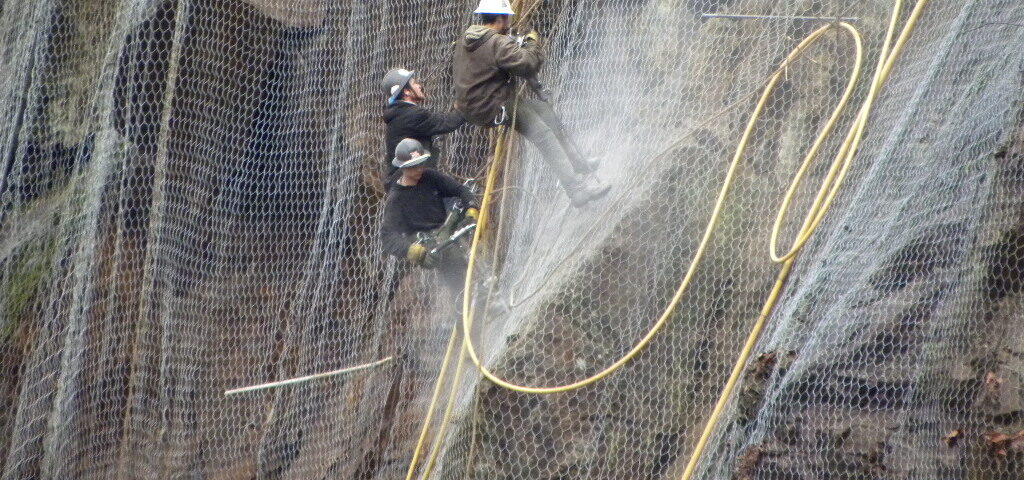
{"x":536,"y":121}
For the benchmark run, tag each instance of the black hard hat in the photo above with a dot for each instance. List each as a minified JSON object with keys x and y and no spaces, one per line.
{"x":410,"y":153}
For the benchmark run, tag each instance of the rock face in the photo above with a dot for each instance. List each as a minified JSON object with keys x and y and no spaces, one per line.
{"x":190,"y":198}
{"x":884,"y":358}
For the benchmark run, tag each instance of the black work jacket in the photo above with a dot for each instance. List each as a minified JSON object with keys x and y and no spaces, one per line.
{"x":408,"y":120}
{"x":418,"y":208}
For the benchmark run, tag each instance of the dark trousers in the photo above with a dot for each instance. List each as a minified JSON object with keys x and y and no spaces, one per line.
{"x":452,"y":270}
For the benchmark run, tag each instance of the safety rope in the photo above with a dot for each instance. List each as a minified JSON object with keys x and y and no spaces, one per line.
{"x":823,"y":200}
{"x":433,"y":403}
{"x":502,"y":138}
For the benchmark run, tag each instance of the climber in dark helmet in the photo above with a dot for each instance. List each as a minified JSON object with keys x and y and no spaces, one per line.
{"x":486,"y":60}
{"x":406,"y":118}
{"x":417,"y":226}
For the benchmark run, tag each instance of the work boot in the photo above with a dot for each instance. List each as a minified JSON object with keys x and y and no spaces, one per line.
{"x":586,"y":189}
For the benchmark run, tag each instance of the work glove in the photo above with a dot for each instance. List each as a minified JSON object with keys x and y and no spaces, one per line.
{"x":473,"y":213}
{"x":531,"y":37}
{"x":416,"y":254}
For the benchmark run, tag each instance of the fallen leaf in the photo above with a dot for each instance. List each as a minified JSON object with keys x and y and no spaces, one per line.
{"x":993,"y":382}
{"x":995,"y":437}
{"x":953,"y":437}
{"x":762,"y":367}
{"x":746,"y":465}
{"x":1002,"y":444}
{"x":1017,"y":444}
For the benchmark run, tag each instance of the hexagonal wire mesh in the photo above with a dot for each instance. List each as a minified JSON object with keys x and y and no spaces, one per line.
{"x":190,"y":203}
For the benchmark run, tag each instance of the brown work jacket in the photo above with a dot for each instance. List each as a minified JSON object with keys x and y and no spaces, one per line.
{"x":485,"y":64}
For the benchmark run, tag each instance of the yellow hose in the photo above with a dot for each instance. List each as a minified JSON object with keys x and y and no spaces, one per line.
{"x":449,"y":410}
{"x":826,"y":194}
{"x":822,"y":202}
{"x":502,"y":139}
{"x":705,"y":240}
{"x":433,"y":403}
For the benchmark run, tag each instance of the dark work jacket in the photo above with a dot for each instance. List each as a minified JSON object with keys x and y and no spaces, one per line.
{"x":484,"y":65}
{"x":418,"y":208}
{"x":408,"y":120}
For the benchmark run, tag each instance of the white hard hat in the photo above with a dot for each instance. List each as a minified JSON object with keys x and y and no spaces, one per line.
{"x":495,"y":7}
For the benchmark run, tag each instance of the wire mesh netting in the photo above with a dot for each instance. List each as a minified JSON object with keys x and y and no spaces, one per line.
{"x":191,"y":199}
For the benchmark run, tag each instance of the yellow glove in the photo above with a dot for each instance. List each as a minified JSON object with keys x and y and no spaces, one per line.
{"x":473,"y":213}
{"x":533,"y":36}
{"x":417,"y":252}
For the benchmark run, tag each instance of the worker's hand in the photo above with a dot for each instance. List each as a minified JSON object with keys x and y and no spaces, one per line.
{"x":473,"y":213}
{"x":531,"y":37}
{"x":416,"y":254}
{"x":430,"y":260}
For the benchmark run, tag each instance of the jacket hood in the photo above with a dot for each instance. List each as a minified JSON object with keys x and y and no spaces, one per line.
{"x":475,"y":36}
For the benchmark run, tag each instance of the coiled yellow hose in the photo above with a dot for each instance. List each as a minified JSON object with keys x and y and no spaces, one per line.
{"x":816,"y":213}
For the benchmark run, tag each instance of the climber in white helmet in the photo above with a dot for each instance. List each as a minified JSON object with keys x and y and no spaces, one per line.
{"x":486,"y":61}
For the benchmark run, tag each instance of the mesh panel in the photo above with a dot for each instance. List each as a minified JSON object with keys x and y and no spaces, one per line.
{"x":191,"y":197}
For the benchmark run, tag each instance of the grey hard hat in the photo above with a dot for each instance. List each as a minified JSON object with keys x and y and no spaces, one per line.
{"x":395,"y":81}
{"x":410,"y":153}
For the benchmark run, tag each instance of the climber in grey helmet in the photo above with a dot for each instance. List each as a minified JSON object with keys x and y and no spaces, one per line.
{"x":415,"y":206}
{"x":486,"y":61}
{"x":405,"y":116}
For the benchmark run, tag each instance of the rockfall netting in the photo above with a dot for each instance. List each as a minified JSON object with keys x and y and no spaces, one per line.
{"x":190,"y":203}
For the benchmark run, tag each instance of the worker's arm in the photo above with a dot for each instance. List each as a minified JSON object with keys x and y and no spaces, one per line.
{"x":394,"y":240}
{"x":434,"y":123}
{"x":449,"y":187}
{"x":521,"y":61}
